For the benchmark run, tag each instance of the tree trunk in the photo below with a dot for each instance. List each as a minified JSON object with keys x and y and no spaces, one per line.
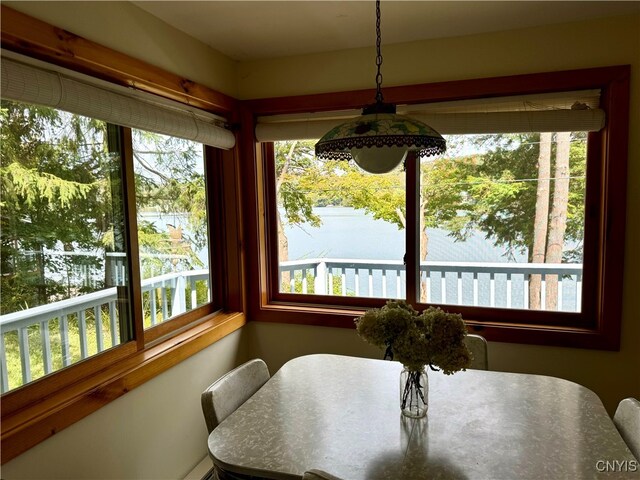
{"x":558,"y":220}
{"x":541,"y":219}
{"x":424,"y":248}
{"x":283,"y":251}
{"x":41,"y":288}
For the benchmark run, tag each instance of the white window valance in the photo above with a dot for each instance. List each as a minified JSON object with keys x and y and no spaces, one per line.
{"x":553,"y":112}
{"x":84,"y":95}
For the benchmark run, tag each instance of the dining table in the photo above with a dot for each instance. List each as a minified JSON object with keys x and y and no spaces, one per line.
{"x":341,"y":414}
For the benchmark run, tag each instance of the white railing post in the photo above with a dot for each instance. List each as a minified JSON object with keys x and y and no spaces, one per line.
{"x":46,"y":347}
{"x":320,"y":282}
{"x":25,"y":357}
{"x":384,"y":283}
{"x":163,"y":301}
{"x":178,"y":302}
{"x":64,"y":340}
{"x":97,"y":313}
{"x":82,"y":326}
{"x":560,"y":293}
{"x":579,"y":291}
{"x":492,"y":289}
{"x":113,"y":323}
{"x":4,"y":376}
{"x":304,"y":280}
{"x":357,"y":282}
{"x":153,"y":308}
{"x":194,"y":293}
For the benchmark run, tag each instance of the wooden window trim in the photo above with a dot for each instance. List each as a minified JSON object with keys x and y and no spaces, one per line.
{"x":38,"y":410}
{"x":24,"y":34}
{"x":63,"y":404}
{"x":599,"y":324}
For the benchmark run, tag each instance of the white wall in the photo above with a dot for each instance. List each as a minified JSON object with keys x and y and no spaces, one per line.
{"x":154,"y":432}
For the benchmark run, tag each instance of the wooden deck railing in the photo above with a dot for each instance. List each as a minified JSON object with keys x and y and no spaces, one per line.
{"x":45,"y":330}
{"x":164,"y":297}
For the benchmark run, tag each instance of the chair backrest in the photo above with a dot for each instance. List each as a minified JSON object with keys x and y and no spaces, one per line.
{"x":231,"y":390}
{"x":477,"y":345}
{"x":318,"y":475}
{"x":627,"y":420}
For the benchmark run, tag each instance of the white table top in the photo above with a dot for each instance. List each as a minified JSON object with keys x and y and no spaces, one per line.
{"x":342,"y":415}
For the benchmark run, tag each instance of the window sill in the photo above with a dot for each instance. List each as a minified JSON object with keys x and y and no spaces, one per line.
{"x":45,"y":417}
{"x":508,"y":331}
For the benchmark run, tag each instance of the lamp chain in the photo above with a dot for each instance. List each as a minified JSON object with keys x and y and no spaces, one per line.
{"x":379,"y":98}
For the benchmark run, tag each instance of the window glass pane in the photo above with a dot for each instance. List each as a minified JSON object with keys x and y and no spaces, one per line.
{"x":63,"y":242}
{"x":340,"y":229}
{"x":172,"y":225}
{"x":503,"y":221}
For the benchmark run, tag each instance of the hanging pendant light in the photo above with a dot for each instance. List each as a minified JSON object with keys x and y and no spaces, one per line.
{"x":379,"y":139}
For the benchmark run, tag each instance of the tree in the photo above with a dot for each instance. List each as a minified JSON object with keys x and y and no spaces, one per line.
{"x":541,"y":219}
{"x":559,"y":212}
{"x":504,"y":209}
{"x":61,"y":188}
{"x":50,"y":197}
{"x":169,"y":179}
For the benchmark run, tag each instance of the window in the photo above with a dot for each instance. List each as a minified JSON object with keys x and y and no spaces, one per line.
{"x":340,"y":230}
{"x":64,"y":256}
{"x":79,"y":171}
{"x":172,"y":225}
{"x":520,"y":251}
{"x":65,"y":261}
{"x":502,"y":221}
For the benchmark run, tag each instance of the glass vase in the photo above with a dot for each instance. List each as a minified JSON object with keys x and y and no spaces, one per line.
{"x":414,"y":393}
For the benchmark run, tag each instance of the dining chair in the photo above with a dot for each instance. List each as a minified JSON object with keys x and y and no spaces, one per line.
{"x":477,"y":345}
{"x":318,"y":475}
{"x":627,"y":420}
{"x":226,"y":394}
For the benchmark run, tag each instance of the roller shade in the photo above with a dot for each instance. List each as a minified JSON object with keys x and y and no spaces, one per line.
{"x":93,"y":98}
{"x":555,"y":112}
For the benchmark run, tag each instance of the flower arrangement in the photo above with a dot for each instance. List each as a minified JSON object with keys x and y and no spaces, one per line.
{"x":433,"y":337}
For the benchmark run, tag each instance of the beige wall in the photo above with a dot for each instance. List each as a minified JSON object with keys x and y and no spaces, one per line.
{"x":154,"y":432}
{"x":613,"y":41}
{"x":597,"y":43}
{"x":128,"y":29}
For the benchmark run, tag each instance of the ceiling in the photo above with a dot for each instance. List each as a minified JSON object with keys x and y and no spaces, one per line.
{"x":252,"y":30}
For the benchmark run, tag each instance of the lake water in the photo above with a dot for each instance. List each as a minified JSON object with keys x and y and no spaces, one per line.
{"x":349,"y":233}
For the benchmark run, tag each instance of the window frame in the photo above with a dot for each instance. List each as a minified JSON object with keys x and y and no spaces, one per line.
{"x":596,"y":326}
{"x":39,"y":409}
